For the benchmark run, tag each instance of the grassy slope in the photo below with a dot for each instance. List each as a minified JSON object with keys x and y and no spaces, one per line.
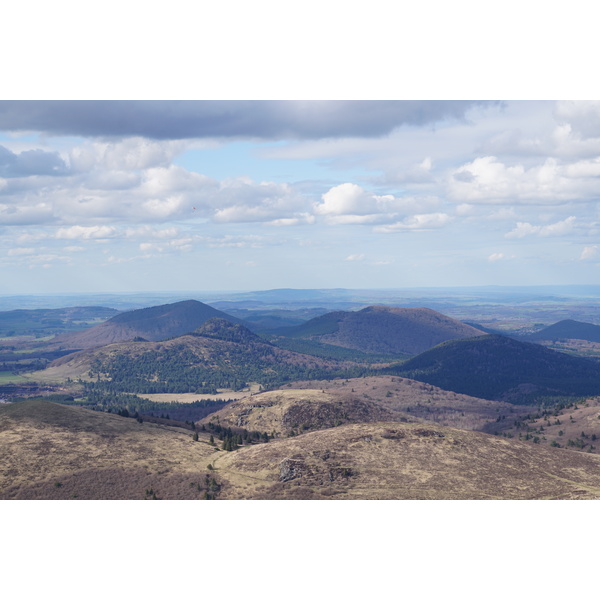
{"x":52,"y":451}
{"x":406,"y":461}
{"x":94,"y":455}
{"x":285,"y":411}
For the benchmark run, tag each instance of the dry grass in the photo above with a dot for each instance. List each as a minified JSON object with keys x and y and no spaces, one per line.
{"x":418,"y":401}
{"x":406,"y":461}
{"x":53,"y":451}
{"x":188,"y":398}
{"x":568,"y":424}
{"x":292,"y":411}
{"x":43,"y":444}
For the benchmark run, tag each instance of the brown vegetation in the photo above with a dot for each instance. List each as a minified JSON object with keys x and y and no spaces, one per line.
{"x":53,"y":451}
{"x":406,"y":461}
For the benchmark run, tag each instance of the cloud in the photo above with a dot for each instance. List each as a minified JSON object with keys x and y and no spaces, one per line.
{"x":33,"y":214}
{"x":78,"y":232}
{"x":31,"y":162}
{"x":264,"y":119}
{"x":349,"y":203}
{"x":487,"y":180}
{"x":130,"y":154}
{"x":354,"y":257}
{"x":590,"y":253}
{"x":301,"y":219}
{"x":417,"y":223}
{"x":582,"y":116}
{"x":21,"y":251}
{"x":496,"y":256}
{"x":556,"y":229}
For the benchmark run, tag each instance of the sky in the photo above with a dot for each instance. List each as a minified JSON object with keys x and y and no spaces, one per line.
{"x":235,"y":195}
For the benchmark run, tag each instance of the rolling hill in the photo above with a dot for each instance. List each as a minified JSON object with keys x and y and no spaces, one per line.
{"x":219,"y":354}
{"x":289,"y":412}
{"x":51,"y":451}
{"x":495,"y":367}
{"x":568,"y":330}
{"x":152,"y":324}
{"x":393,"y":461}
{"x":58,"y":452}
{"x":309,"y":405}
{"x":383,"y":329}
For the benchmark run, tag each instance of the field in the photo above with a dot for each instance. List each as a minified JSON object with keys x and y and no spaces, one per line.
{"x":9,"y":377}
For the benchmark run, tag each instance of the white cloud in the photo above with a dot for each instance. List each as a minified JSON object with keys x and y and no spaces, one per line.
{"x":349,"y":203}
{"x":590,"y":253}
{"x":496,"y":256}
{"x":555,"y":229}
{"x":177,"y":245}
{"x":301,"y":219}
{"x":129,"y":154}
{"x":79,"y":232}
{"x":417,"y":223}
{"x":354,"y":257}
{"x":582,"y":116}
{"x":487,"y":180}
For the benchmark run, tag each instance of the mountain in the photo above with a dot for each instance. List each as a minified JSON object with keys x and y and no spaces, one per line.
{"x":568,"y":330}
{"x":497,"y":367}
{"x":383,"y":329}
{"x":152,"y":324}
{"x":219,"y":354}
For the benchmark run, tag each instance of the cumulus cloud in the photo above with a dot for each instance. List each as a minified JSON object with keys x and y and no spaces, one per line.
{"x":349,"y":203}
{"x":488,"y":180}
{"x":354,"y":257}
{"x":266,"y":119}
{"x":496,"y":256}
{"x":555,"y":229}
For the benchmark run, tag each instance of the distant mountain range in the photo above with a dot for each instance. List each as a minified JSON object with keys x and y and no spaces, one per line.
{"x":383,"y":329}
{"x":51,"y":320}
{"x":151,"y":324}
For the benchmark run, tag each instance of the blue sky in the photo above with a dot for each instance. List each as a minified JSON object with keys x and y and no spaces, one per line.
{"x":216,"y":195}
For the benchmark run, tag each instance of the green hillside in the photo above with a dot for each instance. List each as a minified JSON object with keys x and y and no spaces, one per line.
{"x":568,"y":330}
{"x":491,"y":366}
